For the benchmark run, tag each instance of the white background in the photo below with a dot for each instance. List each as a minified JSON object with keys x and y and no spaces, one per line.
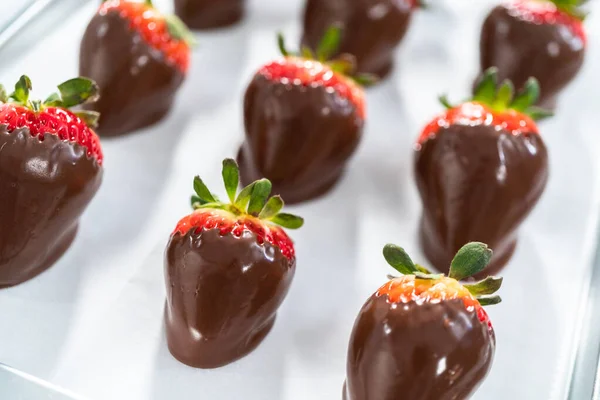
{"x":93,"y":323}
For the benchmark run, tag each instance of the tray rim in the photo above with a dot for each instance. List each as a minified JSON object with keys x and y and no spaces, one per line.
{"x":585,"y":345}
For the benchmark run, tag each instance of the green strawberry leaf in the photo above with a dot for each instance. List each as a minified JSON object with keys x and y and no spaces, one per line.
{"x":78,"y":91}
{"x":471,"y":259}
{"x":243,"y":197}
{"x":504,"y":95}
{"x":3,"y":94}
{"x":22,"y":89}
{"x":259,"y":196}
{"x":527,"y":96}
{"x":202,"y":191}
{"x":288,"y":221}
{"x":399,"y":259}
{"x":281,"y":44}
{"x":231,"y":178}
{"x":272,"y":208}
{"x":196,"y":202}
{"x":329,"y":43}
{"x":489,"y":285}
{"x":488,"y":300}
{"x":485,"y":92}
{"x":90,"y":118}
{"x":53,"y":100}
{"x":538,"y":113}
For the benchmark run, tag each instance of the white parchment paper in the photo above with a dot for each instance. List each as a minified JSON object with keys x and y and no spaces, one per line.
{"x":93,"y":323}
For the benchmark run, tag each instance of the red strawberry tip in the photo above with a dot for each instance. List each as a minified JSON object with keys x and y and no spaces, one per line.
{"x":344,"y":64}
{"x":471,"y":259}
{"x":501,"y":98}
{"x":71,"y":93}
{"x":253,"y":200}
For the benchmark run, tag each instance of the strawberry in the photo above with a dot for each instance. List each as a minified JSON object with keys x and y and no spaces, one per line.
{"x":541,"y":38}
{"x":372,"y":29}
{"x":481,"y":167}
{"x":139,"y":57}
{"x":304,"y":119}
{"x":424,"y":336}
{"x":208,"y":14}
{"x":228,"y":268}
{"x":50,"y":169}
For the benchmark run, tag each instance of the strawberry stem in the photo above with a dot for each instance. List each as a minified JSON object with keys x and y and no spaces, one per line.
{"x":72,"y":93}
{"x":502,"y":98}
{"x":344,"y":64}
{"x":252,"y":200}
{"x":470,"y":259}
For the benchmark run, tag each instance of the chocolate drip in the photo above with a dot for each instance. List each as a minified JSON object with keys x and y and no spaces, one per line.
{"x":417,"y":351}
{"x":223,"y":293}
{"x":209,"y":14}
{"x":44,"y":188}
{"x":298,"y":137}
{"x":521,"y":49}
{"x":371,"y":29}
{"x":477,"y":184}
{"x":137,"y":84}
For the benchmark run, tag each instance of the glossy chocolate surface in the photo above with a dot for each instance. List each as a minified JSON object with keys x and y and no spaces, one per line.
{"x":44,"y":188}
{"x":477,"y":184}
{"x":223,"y":293}
{"x":417,"y":351}
{"x":209,"y":14}
{"x":521,"y":49}
{"x":137,"y":85}
{"x":371,"y":29}
{"x":298,"y":137}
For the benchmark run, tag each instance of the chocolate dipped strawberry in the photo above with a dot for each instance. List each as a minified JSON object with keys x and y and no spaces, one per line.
{"x":371,"y":29}
{"x":541,"y":38}
{"x":304,"y":119}
{"x":139,"y":58}
{"x":50,"y":169}
{"x":481,"y":167}
{"x":228,"y":267}
{"x":423,"y":336}
{"x":209,"y":14}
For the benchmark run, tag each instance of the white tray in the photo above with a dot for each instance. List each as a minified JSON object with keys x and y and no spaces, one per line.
{"x":93,"y":323}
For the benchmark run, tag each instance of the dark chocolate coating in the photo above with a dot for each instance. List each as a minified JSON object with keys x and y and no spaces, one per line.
{"x":298,"y":137}
{"x":521,"y":49}
{"x":223,"y":293}
{"x":44,"y":188}
{"x":477,"y":184}
{"x":417,"y":351}
{"x":371,"y":29}
{"x":137,"y":84}
{"x":209,"y":14}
